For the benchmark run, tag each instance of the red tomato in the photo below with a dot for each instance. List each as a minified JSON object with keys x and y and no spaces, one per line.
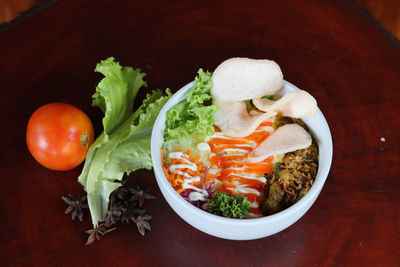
{"x":59,"y":135}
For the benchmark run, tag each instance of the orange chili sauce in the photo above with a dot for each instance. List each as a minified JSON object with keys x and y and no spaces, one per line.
{"x":232,"y":165}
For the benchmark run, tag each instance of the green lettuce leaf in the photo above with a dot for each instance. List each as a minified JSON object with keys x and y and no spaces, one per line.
{"x":194,"y":115}
{"x":124,"y":145}
{"x":134,"y":152}
{"x":116,"y":93}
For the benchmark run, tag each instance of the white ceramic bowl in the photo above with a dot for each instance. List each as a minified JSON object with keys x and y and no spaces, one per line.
{"x":241,"y":229}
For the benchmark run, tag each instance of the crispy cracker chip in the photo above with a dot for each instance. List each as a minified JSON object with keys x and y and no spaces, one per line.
{"x":244,"y":78}
{"x":296,"y":104}
{"x":234,"y":120}
{"x":285,"y":139}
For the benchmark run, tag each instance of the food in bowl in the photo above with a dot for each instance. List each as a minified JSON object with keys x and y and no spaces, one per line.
{"x":236,"y":148}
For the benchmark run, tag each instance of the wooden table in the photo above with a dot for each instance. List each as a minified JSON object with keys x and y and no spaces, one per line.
{"x":329,"y":48}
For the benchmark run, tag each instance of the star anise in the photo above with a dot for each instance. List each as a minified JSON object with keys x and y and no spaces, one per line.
{"x":122,"y":209}
{"x":97,"y":233}
{"x":142,"y":222}
{"x":76,"y":204}
{"x":133,"y":211}
{"x":140,"y":195}
{"x":122,"y":192}
{"x":127,"y":213}
{"x":125,"y":204}
{"x":113,"y":214}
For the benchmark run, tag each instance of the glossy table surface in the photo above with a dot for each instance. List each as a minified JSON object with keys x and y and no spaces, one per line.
{"x":330,"y":48}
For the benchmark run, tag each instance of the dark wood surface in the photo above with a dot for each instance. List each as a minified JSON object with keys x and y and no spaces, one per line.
{"x":330,"y":48}
{"x":385,"y":11}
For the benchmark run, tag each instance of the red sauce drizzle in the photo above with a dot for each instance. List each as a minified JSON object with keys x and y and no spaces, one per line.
{"x":233,"y":165}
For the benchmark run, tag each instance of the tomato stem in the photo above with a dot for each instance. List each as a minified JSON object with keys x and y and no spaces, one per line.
{"x":85,"y":140}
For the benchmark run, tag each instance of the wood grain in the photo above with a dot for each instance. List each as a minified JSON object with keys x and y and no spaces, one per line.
{"x":385,"y":11}
{"x":9,"y":9}
{"x":329,"y":48}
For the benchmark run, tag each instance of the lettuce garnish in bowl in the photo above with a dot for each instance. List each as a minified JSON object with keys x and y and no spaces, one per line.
{"x":194,"y":115}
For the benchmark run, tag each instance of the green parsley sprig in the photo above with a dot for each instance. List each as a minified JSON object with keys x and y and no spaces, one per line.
{"x":229,"y":206}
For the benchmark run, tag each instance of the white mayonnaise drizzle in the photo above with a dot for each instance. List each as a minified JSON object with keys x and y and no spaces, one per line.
{"x":195,"y":178}
{"x":202,"y":195}
{"x":188,"y":180}
{"x":268,"y":129}
{"x":179,"y":155}
{"x":190,"y":165}
{"x":250,"y":176}
{"x":242,"y":188}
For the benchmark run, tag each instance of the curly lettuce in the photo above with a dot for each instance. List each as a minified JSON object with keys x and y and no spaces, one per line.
{"x":124,"y":145}
{"x":194,"y":115}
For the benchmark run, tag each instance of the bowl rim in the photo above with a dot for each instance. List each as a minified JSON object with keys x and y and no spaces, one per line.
{"x":163,"y":183}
